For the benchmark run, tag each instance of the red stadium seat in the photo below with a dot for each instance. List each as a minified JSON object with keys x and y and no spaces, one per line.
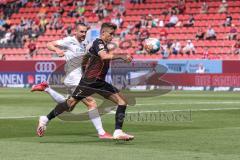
{"x":133,"y":14}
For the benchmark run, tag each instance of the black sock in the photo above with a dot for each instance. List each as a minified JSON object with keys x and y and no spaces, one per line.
{"x":51,"y":115}
{"x":119,"y":117}
{"x":60,"y":108}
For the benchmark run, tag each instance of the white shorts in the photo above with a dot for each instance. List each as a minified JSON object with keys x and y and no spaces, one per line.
{"x":72,"y":80}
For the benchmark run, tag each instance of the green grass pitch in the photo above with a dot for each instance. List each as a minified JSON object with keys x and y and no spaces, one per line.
{"x":188,"y":125}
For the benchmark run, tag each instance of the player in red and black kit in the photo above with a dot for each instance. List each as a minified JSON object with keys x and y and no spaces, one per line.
{"x":93,"y":80}
{"x":95,"y":72}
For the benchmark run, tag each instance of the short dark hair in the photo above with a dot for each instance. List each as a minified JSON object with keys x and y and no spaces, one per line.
{"x":108,"y":25}
{"x":81,"y":24}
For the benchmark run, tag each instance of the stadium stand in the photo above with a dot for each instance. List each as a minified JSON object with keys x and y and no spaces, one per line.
{"x":47,"y":20}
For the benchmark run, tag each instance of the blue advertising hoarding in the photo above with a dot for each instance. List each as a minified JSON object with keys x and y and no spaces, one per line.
{"x":191,"y":66}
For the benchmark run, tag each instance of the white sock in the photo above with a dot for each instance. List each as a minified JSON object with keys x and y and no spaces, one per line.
{"x":57,"y":97}
{"x":96,"y":120}
{"x":117,"y":131}
{"x":44,"y":120}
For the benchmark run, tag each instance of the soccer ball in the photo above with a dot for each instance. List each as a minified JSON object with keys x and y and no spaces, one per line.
{"x":152,"y":45}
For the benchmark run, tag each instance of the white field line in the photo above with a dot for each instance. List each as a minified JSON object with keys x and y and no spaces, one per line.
{"x":160,"y":111}
{"x":176,"y":103}
{"x":183,"y":110}
{"x":18,"y":117}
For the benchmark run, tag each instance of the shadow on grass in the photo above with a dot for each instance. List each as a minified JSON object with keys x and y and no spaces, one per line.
{"x":26,"y":129}
{"x":85,"y":140}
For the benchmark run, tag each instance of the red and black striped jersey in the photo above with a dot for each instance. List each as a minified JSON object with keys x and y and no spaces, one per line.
{"x":96,"y":67}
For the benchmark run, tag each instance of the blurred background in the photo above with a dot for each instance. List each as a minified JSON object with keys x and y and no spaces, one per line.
{"x":200,"y":43}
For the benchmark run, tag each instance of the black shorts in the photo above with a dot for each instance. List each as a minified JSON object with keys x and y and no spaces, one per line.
{"x":88,"y":87}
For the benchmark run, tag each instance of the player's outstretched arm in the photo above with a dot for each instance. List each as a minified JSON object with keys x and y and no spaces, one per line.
{"x":104,"y":56}
{"x":53,"y":46}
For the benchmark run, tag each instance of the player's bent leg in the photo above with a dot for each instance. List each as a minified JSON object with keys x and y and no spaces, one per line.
{"x":39,"y":87}
{"x":95,"y":117}
{"x":118,"y":98}
{"x":57,"y":97}
{"x":42,"y":125}
{"x":119,"y":117}
{"x":72,"y":102}
{"x":90,"y":102}
{"x":59,"y":109}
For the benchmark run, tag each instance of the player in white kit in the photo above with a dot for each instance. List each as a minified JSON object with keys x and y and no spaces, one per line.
{"x":72,"y":48}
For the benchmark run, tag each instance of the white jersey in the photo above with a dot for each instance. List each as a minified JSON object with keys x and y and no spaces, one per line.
{"x":73,"y":52}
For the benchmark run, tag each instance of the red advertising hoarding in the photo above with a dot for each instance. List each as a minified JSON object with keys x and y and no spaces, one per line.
{"x":231,"y":66}
{"x":32,"y":72}
{"x":31,"y":66}
{"x":215,"y":80}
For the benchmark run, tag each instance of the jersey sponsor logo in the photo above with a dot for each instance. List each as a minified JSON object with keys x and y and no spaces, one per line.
{"x":45,"y":66}
{"x":101,"y":46}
